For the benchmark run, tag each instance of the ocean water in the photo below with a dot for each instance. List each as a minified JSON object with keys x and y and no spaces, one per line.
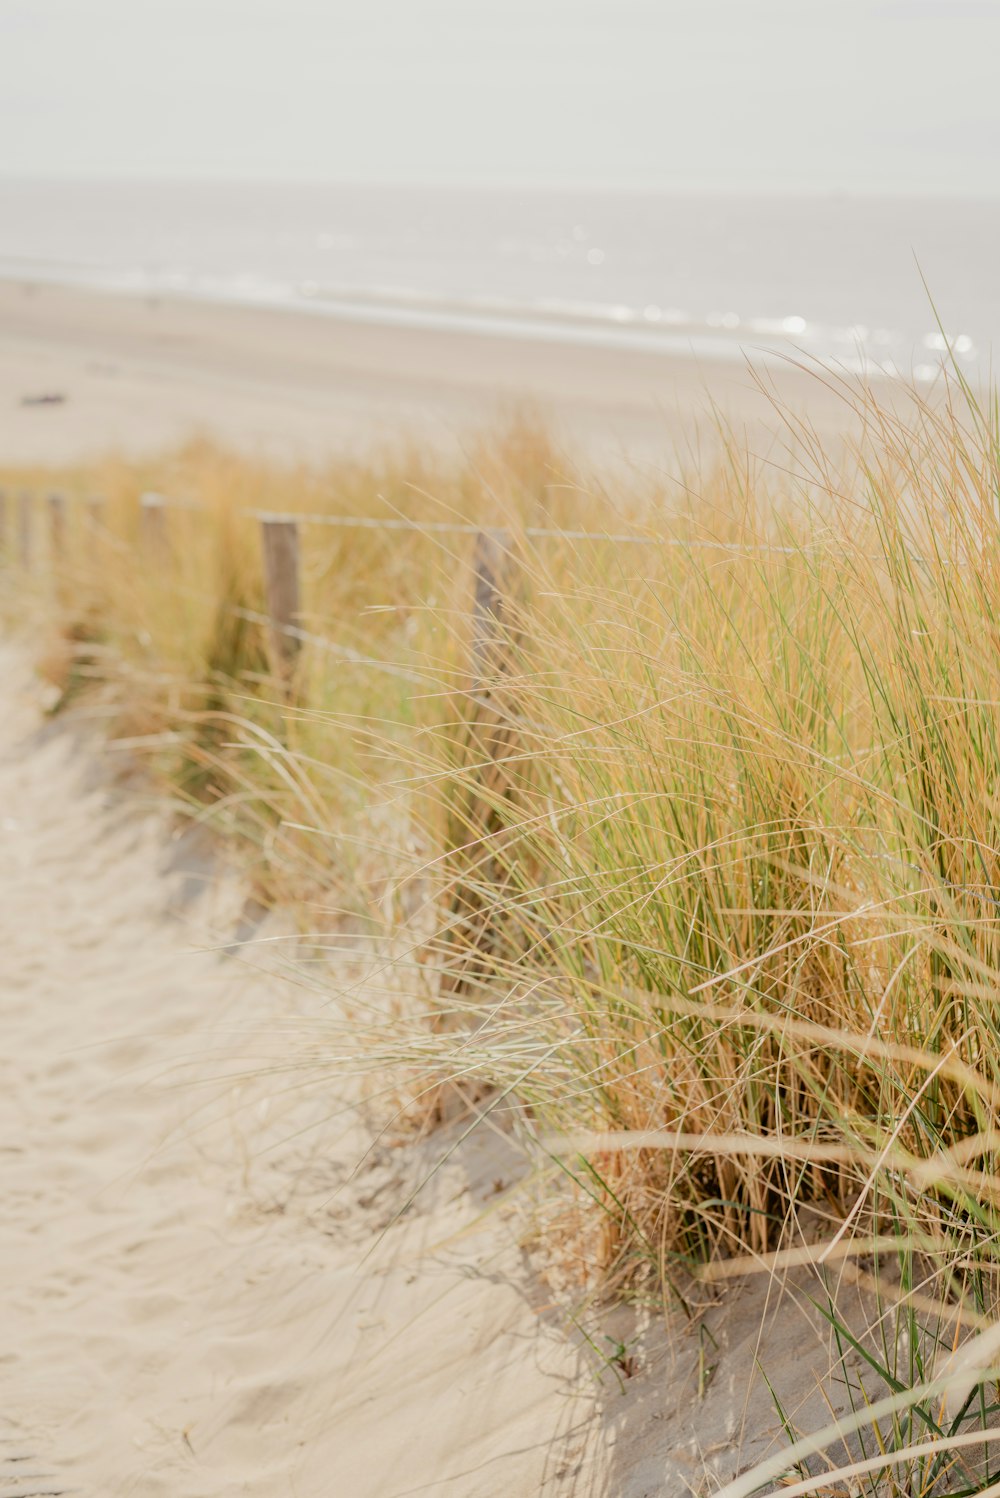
{"x":904,"y":284}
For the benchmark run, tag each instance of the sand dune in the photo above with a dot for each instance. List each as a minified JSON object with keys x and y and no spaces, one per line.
{"x":217,"y":1282}
{"x":208,"y":1285}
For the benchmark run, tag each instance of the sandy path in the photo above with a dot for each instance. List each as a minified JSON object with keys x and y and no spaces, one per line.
{"x":196,"y":1297}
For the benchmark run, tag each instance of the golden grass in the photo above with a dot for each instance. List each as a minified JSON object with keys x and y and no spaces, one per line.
{"x":712,"y":849}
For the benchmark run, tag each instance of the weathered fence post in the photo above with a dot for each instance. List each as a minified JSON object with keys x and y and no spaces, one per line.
{"x":57,"y":527}
{"x":153,"y":523}
{"x":492,"y":567}
{"x":280,"y":546}
{"x":478,"y":818}
{"x":25,"y":518}
{"x":490,"y":736}
{"x":95,"y":523}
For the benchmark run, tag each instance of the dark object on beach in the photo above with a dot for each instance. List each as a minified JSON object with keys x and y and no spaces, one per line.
{"x":43,"y":400}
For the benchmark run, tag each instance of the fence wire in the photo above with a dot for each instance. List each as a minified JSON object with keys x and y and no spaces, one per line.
{"x":534,"y":532}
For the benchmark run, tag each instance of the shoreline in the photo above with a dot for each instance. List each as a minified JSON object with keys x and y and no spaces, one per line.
{"x":663,"y":332}
{"x":140,"y":373}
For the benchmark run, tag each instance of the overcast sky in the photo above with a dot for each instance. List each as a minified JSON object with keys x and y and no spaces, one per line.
{"x":825,"y":94}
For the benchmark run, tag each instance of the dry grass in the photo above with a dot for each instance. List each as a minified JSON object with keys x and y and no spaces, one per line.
{"x":713,"y":847}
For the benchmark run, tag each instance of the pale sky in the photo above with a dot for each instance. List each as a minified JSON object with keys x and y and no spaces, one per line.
{"x":794,"y":94}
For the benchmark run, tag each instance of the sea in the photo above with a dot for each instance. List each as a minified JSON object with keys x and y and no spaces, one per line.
{"x":905,"y":284}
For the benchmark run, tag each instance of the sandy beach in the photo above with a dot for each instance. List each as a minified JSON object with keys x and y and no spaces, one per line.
{"x":499,"y":838}
{"x":136,"y":374}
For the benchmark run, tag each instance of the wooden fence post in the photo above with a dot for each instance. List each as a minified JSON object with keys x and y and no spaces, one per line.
{"x":153,"y":523}
{"x":279,"y":540}
{"x":95,"y":523}
{"x":3,"y":523}
{"x":25,"y":518}
{"x":478,"y":822}
{"x":57,"y":527}
{"x":492,"y":565}
{"x":490,"y":736}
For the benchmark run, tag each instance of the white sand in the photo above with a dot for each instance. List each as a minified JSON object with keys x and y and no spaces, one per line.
{"x":196,"y":1298}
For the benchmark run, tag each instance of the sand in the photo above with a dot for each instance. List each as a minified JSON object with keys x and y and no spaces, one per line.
{"x":198,"y":1296}
{"x":137,"y":374}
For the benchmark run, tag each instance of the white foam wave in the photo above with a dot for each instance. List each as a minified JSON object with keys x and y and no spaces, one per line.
{"x":713,"y":334}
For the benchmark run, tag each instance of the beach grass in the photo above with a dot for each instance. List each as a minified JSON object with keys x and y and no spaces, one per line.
{"x":698,"y":864}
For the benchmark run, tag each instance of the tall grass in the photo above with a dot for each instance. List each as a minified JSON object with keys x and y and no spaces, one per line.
{"x":711,"y":844}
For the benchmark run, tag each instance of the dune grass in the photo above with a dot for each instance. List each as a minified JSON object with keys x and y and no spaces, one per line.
{"x":701,"y":861}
